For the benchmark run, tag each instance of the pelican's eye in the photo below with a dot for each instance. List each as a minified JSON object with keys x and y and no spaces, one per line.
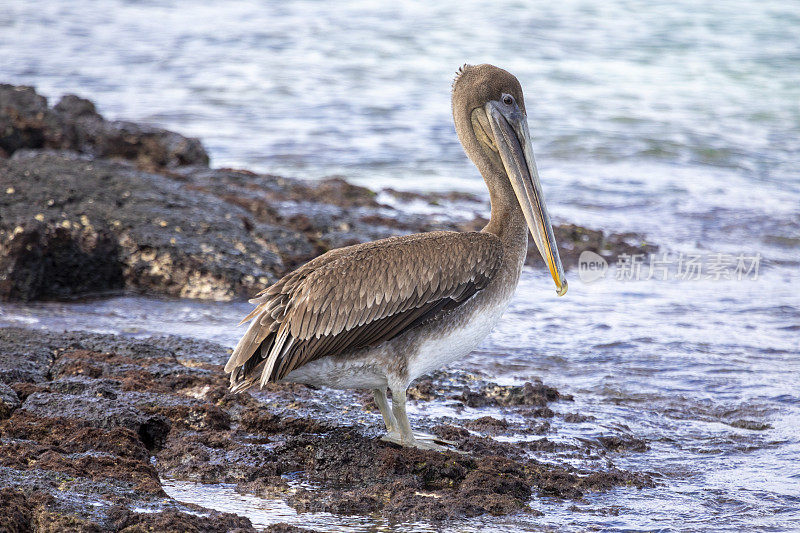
{"x":508,"y":99}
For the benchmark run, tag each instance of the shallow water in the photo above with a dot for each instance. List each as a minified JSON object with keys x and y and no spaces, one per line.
{"x":673,"y":119}
{"x":676,"y":120}
{"x":669,"y":362}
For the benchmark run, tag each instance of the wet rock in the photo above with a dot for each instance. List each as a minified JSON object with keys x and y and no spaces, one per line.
{"x":578,"y":418}
{"x":193,"y":350}
{"x":77,"y":218}
{"x":15,"y":513}
{"x":329,"y":214}
{"x":154,"y":373}
{"x":198,"y":416}
{"x":74,"y":226}
{"x":535,"y":393}
{"x":127,"y":521}
{"x":616,"y":443}
{"x":498,"y":486}
{"x":95,"y":466}
{"x":74,"y":124}
{"x":424,"y":390}
{"x":264,"y":422}
{"x":573,"y":240}
{"x":51,"y":522}
{"x":86,"y":421}
{"x":45,"y":261}
{"x":102,"y":413}
{"x":488,"y":424}
{"x":566,"y":482}
{"x":753,"y":425}
{"x":9,"y":401}
{"x":478,"y":445}
{"x":24,"y":357}
{"x":547,"y":445}
{"x":74,"y":436}
{"x":434,"y":197}
{"x":407,"y":484}
{"x":85,"y":385}
{"x":531,"y":394}
{"x":82,"y":428}
{"x":194,"y":457}
{"x":24,"y":512}
{"x":287,"y":528}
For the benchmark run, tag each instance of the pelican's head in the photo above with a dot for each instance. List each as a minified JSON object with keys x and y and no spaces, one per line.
{"x":489,"y":113}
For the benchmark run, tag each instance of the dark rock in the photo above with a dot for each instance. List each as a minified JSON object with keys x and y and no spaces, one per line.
{"x":199,"y":416}
{"x":102,"y":413}
{"x":45,"y":262}
{"x":578,"y":418}
{"x":753,"y":425}
{"x":72,"y":227}
{"x":74,"y":124}
{"x":24,"y":511}
{"x":287,"y":528}
{"x":423,"y":390}
{"x":74,"y":223}
{"x":24,"y":390}
{"x":84,"y":428}
{"x":407,"y":484}
{"x":9,"y":401}
{"x":115,"y":414}
{"x":617,"y":443}
{"x":535,"y":393}
{"x":435,"y":198}
{"x":25,"y":120}
{"x":573,"y":240}
{"x":529,"y":394}
{"x":15,"y":513}
{"x":498,"y":486}
{"x":24,"y":357}
{"x":127,"y":521}
{"x":74,"y":436}
{"x":22,"y":455}
{"x":487,"y":424}
{"x":564,"y":482}
{"x":263,"y":422}
{"x":185,"y":349}
{"x":52,"y":522}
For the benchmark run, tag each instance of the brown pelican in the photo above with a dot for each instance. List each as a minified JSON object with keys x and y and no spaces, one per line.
{"x":380,"y":314}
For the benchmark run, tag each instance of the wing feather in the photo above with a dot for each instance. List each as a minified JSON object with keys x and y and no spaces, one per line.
{"x":359,"y":296}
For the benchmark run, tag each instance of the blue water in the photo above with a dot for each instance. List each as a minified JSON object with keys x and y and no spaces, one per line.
{"x":678,"y":120}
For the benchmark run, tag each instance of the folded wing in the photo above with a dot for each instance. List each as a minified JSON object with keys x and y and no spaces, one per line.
{"x":360,"y":296}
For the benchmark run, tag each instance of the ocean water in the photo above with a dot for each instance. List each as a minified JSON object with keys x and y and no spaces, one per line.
{"x":677,"y":120}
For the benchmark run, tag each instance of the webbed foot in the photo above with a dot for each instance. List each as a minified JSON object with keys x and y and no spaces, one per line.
{"x":423,"y":441}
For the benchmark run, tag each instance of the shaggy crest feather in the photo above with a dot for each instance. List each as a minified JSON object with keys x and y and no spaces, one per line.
{"x":459,"y":72}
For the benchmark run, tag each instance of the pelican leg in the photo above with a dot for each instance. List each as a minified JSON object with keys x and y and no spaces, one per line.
{"x":386,"y":411}
{"x":403,"y":435}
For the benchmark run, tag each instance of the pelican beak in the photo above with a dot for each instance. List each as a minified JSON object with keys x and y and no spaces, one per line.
{"x":513,"y":142}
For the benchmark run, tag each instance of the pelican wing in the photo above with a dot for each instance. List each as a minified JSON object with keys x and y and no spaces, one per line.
{"x":359,"y":296}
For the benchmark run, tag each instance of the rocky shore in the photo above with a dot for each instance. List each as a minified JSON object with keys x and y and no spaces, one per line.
{"x":92,"y":427}
{"x":95,"y":207}
{"x":91,"y":424}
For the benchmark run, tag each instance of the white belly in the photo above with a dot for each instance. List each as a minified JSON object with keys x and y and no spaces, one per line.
{"x":370,"y":368}
{"x":341,"y":373}
{"x":437,"y":352}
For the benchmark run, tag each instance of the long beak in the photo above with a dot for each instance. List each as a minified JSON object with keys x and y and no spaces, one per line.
{"x":514,"y":144}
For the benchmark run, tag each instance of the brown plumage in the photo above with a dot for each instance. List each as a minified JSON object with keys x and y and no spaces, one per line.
{"x":379,"y":315}
{"x":353,"y":297}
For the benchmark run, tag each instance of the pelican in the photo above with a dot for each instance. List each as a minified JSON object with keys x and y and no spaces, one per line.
{"x":379,"y":315}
